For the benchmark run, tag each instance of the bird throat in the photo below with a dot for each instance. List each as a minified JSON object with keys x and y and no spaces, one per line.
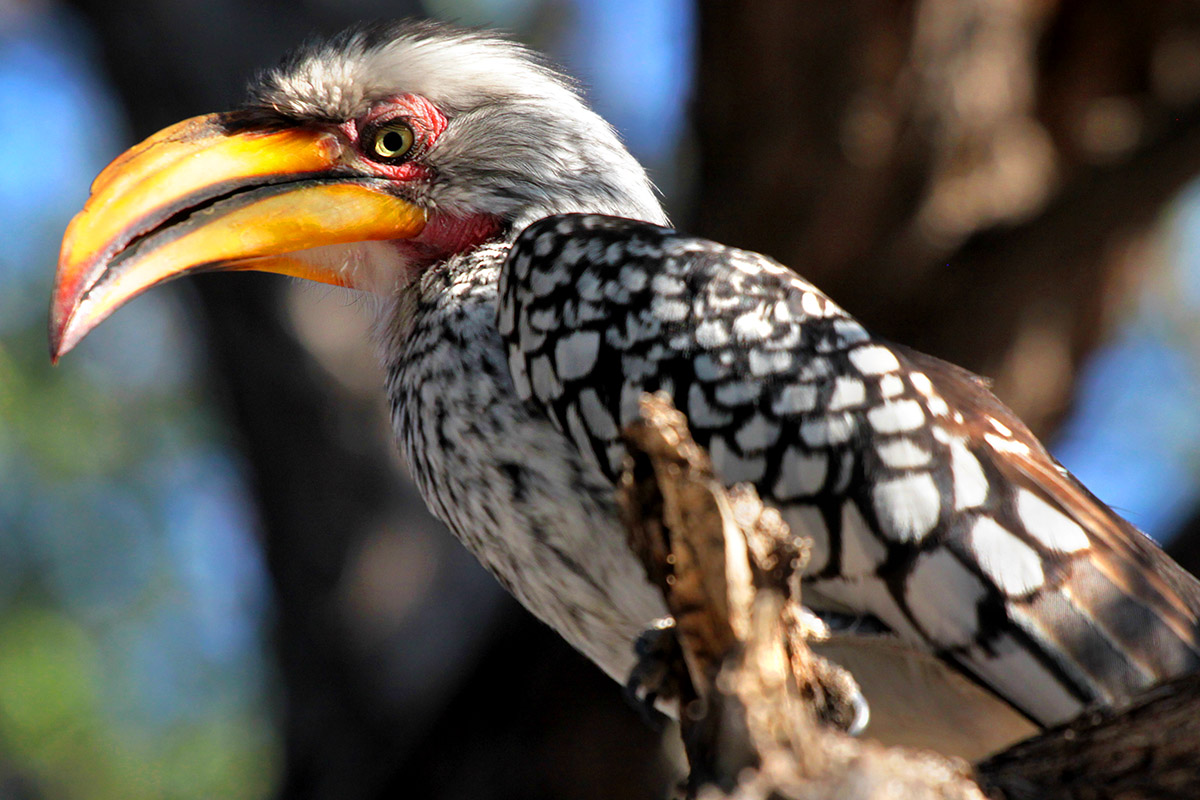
{"x":445,"y":236}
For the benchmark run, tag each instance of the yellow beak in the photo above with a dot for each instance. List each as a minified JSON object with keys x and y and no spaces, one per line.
{"x":200,"y":197}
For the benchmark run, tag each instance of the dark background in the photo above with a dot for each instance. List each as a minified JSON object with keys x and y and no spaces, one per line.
{"x":1004,"y":184}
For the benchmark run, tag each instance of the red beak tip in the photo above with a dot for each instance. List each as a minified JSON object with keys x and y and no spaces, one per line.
{"x":55,"y":350}
{"x":59,"y":347}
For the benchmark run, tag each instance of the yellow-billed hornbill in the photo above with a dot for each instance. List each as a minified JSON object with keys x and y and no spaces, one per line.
{"x":441,"y":170}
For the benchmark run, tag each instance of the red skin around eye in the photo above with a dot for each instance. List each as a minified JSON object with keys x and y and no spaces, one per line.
{"x":426,"y":120}
{"x":443,"y":235}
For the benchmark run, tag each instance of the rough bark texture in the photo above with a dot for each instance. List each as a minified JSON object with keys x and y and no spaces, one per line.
{"x":762,"y":715}
{"x":1149,"y":750}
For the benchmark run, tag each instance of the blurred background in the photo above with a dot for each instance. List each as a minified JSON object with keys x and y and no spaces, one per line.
{"x":215,"y":580}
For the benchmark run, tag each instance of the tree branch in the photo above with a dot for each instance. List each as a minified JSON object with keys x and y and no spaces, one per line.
{"x":762,"y":716}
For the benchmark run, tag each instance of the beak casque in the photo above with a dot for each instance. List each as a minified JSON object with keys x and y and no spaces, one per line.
{"x":205,"y":196}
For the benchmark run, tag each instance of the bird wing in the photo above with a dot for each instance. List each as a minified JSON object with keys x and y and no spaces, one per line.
{"x":930,"y":506}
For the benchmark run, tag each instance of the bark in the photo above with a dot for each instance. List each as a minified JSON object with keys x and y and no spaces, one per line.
{"x":1149,"y":750}
{"x":761,"y":714}
{"x":763,"y":717}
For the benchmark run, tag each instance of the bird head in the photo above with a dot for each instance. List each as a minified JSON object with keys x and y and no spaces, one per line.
{"x":358,"y":162}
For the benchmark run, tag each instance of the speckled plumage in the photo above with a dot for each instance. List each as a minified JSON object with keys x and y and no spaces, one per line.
{"x":499,"y":474}
{"x":512,"y":366}
{"x":929,"y":505}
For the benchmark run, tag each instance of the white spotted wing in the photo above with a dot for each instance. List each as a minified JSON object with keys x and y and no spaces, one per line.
{"x":930,"y":507}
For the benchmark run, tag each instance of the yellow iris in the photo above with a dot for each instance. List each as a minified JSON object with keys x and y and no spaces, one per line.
{"x":392,"y":140}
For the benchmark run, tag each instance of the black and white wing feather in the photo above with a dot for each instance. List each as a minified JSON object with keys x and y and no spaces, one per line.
{"x":930,"y":505}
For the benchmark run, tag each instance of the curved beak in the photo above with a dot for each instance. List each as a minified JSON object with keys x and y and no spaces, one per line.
{"x":204,"y":196}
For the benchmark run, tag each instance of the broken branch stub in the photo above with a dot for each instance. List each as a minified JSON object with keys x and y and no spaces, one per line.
{"x":762,"y":713}
{"x":673,"y":509}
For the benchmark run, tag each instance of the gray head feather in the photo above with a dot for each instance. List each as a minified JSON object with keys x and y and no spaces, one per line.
{"x":520,"y":143}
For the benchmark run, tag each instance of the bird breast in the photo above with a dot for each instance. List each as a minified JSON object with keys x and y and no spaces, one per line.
{"x":505,"y":481}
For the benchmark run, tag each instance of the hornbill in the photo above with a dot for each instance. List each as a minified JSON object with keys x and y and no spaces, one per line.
{"x":530,"y":292}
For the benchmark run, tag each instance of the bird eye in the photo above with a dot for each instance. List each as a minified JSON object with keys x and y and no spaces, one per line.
{"x":392,"y":140}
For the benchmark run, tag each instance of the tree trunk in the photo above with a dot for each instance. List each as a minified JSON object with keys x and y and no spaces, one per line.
{"x":975,"y":180}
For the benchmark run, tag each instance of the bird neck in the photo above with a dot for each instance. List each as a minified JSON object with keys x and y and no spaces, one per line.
{"x":446,"y":236}
{"x":436,"y":300}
